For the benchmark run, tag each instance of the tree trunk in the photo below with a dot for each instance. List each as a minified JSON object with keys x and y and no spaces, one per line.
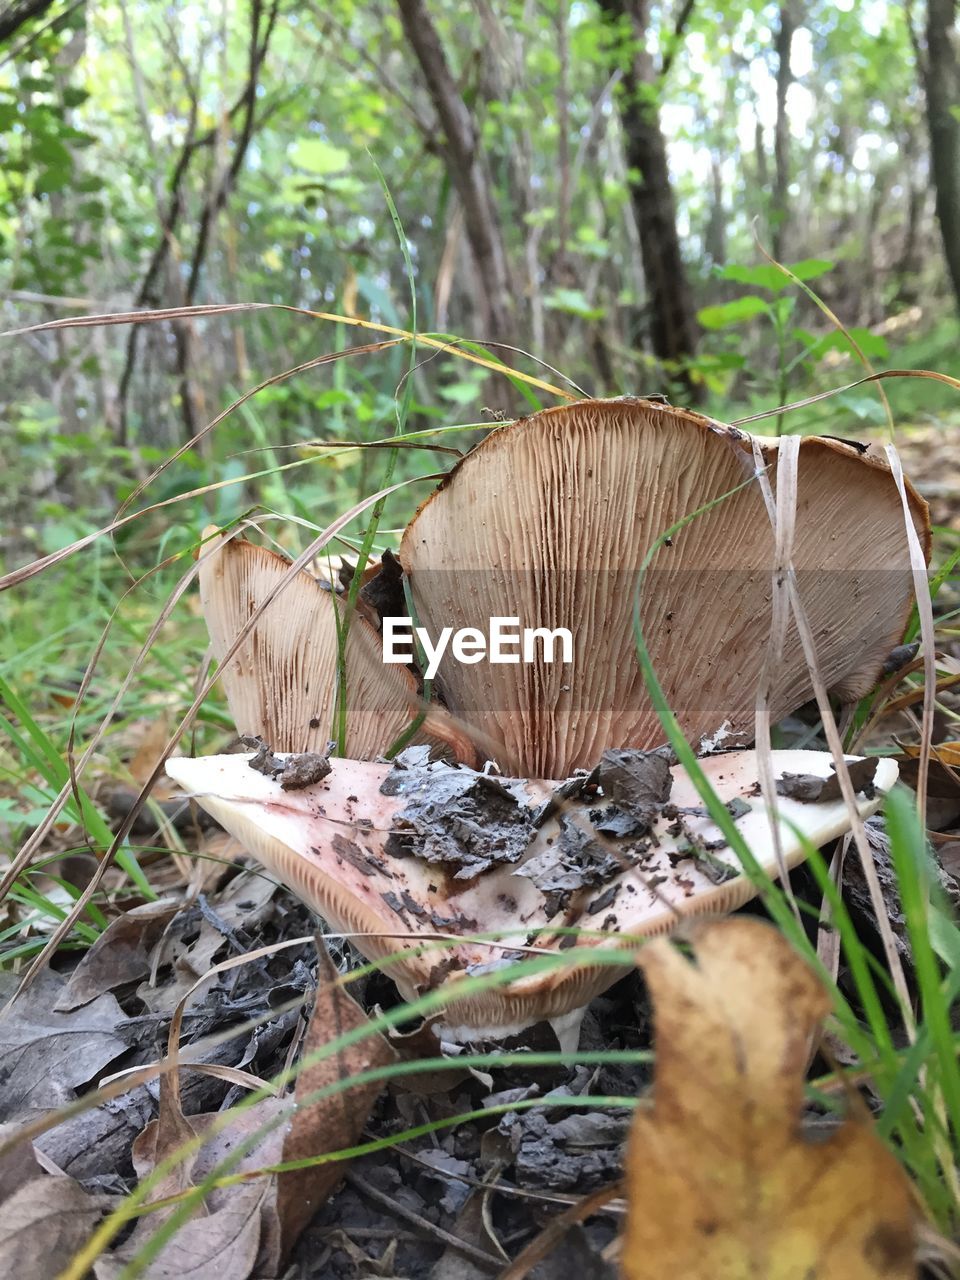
{"x":715,"y":235}
{"x":781,"y":140}
{"x":907,"y":271}
{"x":941,"y":73}
{"x":672,"y":319}
{"x":464,"y":160}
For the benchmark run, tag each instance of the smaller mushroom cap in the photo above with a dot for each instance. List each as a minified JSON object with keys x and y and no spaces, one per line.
{"x":281,"y":682}
{"x":328,"y":844}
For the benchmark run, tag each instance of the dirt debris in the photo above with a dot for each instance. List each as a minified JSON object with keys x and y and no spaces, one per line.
{"x":575,"y":861}
{"x":293,"y":772}
{"x":808,"y":788}
{"x":573,"y":1153}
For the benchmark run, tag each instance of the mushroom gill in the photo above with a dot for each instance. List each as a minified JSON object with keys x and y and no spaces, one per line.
{"x":549,"y":521}
{"x":281,"y":682}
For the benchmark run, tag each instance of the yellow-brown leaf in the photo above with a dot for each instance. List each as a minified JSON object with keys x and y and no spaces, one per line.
{"x":721,"y":1183}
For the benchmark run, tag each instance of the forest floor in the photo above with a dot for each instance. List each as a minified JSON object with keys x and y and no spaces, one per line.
{"x":452,"y":1204}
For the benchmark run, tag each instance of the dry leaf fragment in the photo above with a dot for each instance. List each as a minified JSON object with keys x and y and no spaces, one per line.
{"x":335,"y":1122}
{"x":18,"y":1164}
{"x":721,"y":1184}
{"x":222,"y":1245}
{"x":46,"y":1055}
{"x":247,"y":1229}
{"x":120,"y":955}
{"x":43,"y":1224}
{"x":947,"y":753}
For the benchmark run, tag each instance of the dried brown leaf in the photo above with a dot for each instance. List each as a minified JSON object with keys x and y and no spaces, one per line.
{"x":45,"y":1054}
{"x":335,"y":1122}
{"x":248,"y":1228}
{"x":234,"y":914}
{"x":42,"y":1225}
{"x":17,"y":1165}
{"x":721,"y":1183}
{"x":120,"y":955}
{"x":222,"y":1245}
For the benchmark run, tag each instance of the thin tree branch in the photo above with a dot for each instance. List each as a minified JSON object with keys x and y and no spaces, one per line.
{"x":465,"y":164}
{"x":679,"y":27}
{"x":258,"y":51}
{"x":18,"y":13}
{"x":12,"y":54}
{"x":148,"y":293}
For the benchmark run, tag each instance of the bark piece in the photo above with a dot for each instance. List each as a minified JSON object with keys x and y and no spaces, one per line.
{"x":466,"y":821}
{"x":810,"y":788}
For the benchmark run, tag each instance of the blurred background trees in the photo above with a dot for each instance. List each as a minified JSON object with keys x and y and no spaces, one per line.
{"x":579,"y":179}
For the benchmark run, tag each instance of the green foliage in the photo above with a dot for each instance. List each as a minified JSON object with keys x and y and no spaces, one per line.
{"x":41,"y":146}
{"x":771,"y":278}
{"x":726,"y":314}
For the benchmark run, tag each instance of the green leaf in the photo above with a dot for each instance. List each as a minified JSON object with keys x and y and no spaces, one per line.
{"x":319,"y":157}
{"x":573,"y":302}
{"x":766,"y":276}
{"x":862,"y":406}
{"x":782,"y":308}
{"x":810,"y":268}
{"x":712,"y":361}
{"x":730,"y":313}
{"x":464,"y":393}
{"x":51,"y":152}
{"x":762,"y":277}
{"x":873,"y":345}
{"x":53,"y":179}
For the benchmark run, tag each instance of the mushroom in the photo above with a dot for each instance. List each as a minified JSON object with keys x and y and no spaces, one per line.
{"x":281,"y":682}
{"x":331,"y":843}
{"x":550,"y":519}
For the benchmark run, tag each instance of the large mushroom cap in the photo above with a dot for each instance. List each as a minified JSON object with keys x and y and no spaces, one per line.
{"x":281,"y":683}
{"x":332,"y":844}
{"x":550,"y":519}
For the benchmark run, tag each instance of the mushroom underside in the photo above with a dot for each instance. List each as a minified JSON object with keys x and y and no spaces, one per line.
{"x":281,"y":681}
{"x":549,"y":521}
